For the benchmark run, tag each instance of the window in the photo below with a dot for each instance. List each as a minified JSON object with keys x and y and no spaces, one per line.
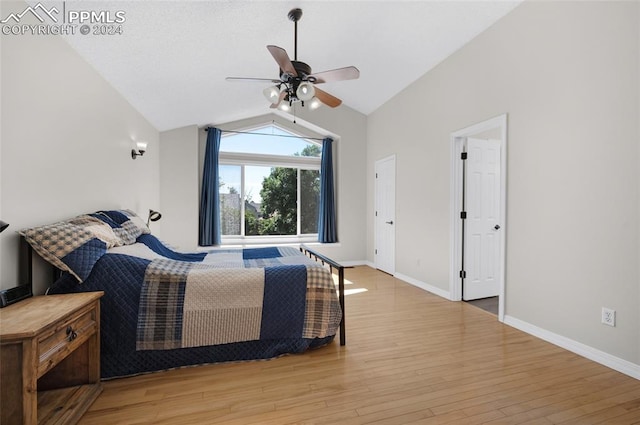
{"x":269,"y":184}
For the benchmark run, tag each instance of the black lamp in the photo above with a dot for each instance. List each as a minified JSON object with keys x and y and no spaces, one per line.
{"x":153,"y":216}
{"x":3,"y":226}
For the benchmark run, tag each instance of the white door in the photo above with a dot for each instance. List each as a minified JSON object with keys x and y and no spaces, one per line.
{"x":385,"y":215}
{"x":482,"y":225}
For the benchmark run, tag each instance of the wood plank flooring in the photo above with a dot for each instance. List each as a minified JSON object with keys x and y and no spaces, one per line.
{"x":411,"y":358}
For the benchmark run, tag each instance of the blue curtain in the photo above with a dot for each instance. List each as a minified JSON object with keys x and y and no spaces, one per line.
{"x":327,"y":230}
{"x":210,"y":196}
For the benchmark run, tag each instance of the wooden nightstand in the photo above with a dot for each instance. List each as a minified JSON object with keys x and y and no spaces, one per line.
{"x":49,"y":358}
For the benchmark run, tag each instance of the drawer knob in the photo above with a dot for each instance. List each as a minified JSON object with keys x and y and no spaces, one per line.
{"x":71,"y":334}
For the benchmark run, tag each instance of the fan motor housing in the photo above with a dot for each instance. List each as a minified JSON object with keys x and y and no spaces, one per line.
{"x":301,"y":68}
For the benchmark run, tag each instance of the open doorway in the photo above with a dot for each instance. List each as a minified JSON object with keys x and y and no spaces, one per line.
{"x":478,"y":214}
{"x":385,"y":204}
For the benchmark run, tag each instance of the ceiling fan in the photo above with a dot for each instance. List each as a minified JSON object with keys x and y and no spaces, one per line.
{"x":297,"y":82}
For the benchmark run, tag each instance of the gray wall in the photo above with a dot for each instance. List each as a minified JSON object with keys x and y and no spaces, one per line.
{"x":66,"y":139}
{"x":566,"y":73}
{"x":179,"y":195}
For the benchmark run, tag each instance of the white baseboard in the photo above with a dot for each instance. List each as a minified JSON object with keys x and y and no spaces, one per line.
{"x":429,"y":288}
{"x":590,"y":353}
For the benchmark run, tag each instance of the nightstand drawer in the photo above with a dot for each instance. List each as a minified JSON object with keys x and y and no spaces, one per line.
{"x":65,"y":337}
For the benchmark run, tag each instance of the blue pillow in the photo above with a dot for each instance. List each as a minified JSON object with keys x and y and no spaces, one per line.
{"x":125,"y":224}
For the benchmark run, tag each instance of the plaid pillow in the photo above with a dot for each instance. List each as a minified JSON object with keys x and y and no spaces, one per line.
{"x":72,"y":245}
{"x":125,"y":224}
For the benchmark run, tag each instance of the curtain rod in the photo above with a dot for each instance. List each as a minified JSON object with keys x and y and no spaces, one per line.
{"x":267,"y":134}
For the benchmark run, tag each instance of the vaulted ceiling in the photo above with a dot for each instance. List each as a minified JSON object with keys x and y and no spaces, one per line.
{"x":171,"y":60}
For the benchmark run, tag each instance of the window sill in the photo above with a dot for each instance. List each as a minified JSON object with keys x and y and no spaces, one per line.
{"x":257,"y":242}
{"x":266,"y":240}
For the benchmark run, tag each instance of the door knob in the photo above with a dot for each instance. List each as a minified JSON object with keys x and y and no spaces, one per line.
{"x":497,"y":227}
{"x":389,"y":222}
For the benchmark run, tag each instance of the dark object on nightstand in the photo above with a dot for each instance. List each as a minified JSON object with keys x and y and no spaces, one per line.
{"x":13,"y":295}
{"x":21,"y":292}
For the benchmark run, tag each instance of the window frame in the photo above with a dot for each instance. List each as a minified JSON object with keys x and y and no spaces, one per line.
{"x":244,"y":159}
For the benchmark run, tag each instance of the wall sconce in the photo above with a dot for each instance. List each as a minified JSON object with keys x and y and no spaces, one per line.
{"x":153,"y":216}
{"x":3,"y":226}
{"x":142,"y":147}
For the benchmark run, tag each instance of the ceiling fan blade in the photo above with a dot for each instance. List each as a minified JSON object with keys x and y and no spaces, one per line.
{"x":282,"y":58}
{"x":259,"y":80}
{"x":327,"y":99}
{"x":346,"y":73}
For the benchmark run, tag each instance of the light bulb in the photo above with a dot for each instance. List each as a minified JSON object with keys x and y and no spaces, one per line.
{"x":314,"y":104}
{"x":305,"y":91}
{"x":272,"y":94}
{"x":284,"y":107}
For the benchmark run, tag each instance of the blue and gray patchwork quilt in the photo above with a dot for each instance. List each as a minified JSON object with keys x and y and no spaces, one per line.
{"x":164,"y":309}
{"x":232,"y":296}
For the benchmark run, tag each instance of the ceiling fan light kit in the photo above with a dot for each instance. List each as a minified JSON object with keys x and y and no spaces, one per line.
{"x":272,"y":94}
{"x":305,"y":91}
{"x":314,"y":104}
{"x":297,"y":82}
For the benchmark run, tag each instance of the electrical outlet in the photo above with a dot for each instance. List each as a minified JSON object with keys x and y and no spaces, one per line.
{"x":608,"y":316}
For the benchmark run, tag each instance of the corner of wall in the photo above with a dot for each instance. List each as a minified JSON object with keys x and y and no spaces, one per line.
{"x":179,"y":182}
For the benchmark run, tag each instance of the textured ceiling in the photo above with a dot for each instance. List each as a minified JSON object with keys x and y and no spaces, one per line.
{"x":171,"y":61}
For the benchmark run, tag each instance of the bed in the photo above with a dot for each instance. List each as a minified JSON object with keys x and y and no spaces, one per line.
{"x":164,"y":309}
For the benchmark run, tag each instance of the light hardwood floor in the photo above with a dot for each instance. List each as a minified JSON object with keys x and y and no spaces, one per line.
{"x":411,"y":358}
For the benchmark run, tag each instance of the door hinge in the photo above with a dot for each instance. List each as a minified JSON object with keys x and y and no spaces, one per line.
{"x":463,"y":274}
{"x":376,"y":252}
{"x":376,"y":175}
{"x":376,"y":213}
{"x":463,"y":215}
{"x":463,"y":156}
